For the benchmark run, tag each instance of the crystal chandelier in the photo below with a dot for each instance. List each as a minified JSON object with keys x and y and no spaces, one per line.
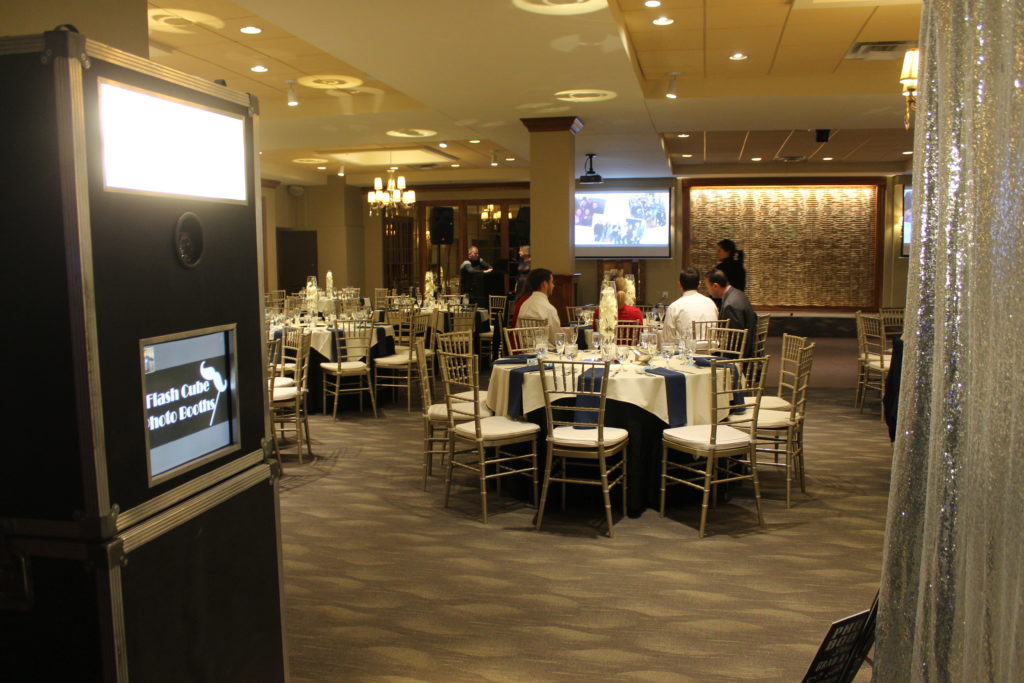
{"x":392,"y":198}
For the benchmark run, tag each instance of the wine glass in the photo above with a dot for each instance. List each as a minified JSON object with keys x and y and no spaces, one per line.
{"x":609,"y":351}
{"x":596,"y":341}
{"x":667,"y":351}
{"x":571,"y":350}
{"x":541,"y":348}
{"x":560,"y":343}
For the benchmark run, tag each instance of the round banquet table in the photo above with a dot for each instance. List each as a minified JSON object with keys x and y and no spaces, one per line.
{"x":638,"y":401}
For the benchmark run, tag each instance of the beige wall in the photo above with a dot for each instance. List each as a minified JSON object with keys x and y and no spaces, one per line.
{"x":894,"y":266}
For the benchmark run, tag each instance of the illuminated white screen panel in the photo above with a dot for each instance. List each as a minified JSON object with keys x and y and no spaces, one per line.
{"x":157,"y":145}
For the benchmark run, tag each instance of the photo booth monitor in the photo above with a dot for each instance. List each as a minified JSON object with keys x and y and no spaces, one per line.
{"x":190,"y":399}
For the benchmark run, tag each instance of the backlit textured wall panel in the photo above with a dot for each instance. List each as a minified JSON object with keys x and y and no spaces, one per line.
{"x":804,"y":245}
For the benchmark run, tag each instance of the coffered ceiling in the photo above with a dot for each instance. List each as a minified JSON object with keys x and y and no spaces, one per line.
{"x":368,"y":75}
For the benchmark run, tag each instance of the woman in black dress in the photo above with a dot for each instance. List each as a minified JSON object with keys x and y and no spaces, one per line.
{"x":730,"y":262}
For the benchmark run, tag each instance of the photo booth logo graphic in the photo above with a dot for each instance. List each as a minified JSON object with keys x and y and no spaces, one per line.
{"x":211,"y":374}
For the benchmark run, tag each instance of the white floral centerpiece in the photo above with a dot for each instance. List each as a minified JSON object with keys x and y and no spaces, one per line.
{"x":609,"y":310}
{"x":429,"y":288}
{"x":311,"y":297}
{"x":630,"y":291}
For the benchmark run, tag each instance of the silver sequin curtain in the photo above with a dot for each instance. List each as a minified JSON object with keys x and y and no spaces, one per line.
{"x":952,"y":596}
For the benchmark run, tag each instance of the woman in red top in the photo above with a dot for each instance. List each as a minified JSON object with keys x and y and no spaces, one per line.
{"x":627,"y":314}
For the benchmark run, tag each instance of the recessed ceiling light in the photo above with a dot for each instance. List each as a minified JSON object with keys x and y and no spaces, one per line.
{"x":663,"y":21}
{"x":826,"y":158}
{"x":755,"y":158}
{"x":330,"y":82}
{"x":510,"y":158}
{"x":585,"y":95}
{"x":474,"y":142}
{"x":321,"y":168}
{"x":310,"y":160}
{"x":686,"y":156}
{"x":737,"y":56}
{"x":683,"y":135}
{"x":259,"y":68}
{"x":442,"y":145}
{"x":909,"y":151}
{"x":341,"y":171}
{"x":560,"y":7}
{"x":250,"y":30}
{"x":456,"y":165}
{"x":411,"y":133}
{"x":652,"y":3}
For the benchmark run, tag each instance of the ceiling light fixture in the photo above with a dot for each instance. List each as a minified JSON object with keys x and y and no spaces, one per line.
{"x":259,"y":68}
{"x":390,"y":198}
{"x":321,"y":168}
{"x":755,"y":158}
{"x":663,"y":21}
{"x":908,"y":79}
{"x":250,"y":30}
{"x":490,"y":217}
{"x":672,"y":91}
{"x":494,"y":157}
{"x":443,"y":145}
{"x":341,"y":171}
{"x":737,"y":56}
{"x":908,"y":152}
{"x":510,"y":158}
{"x":456,"y":165}
{"x":293,"y":100}
{"x":683,"y":135}
{"x":652,"y":3}
{"x":686,"y":156}
{"x":826,"y":158}
{"x":474,"y":142}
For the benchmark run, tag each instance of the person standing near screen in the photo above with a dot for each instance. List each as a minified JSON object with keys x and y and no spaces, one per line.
{"x":730,"y":262}
{"x":471,"y":278}
{"x":522,"y":270}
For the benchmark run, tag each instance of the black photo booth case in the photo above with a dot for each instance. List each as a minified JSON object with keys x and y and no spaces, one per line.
{"x":139,"y":533}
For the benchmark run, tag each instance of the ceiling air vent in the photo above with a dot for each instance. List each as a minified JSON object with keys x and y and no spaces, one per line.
{"x":880,"y":50}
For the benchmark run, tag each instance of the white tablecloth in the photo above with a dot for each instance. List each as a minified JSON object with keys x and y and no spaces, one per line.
{"x":628,"y":383}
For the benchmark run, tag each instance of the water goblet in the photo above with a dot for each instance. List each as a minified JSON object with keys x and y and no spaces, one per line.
{"x":560,"y":343}
{"x":541,"y":349}
{"x":596,"y":340}
{"x":571,"y":350}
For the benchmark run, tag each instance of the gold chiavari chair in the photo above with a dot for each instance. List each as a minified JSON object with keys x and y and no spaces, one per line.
{"x":892,"y":321}
{"x":350,"y":372}
{"x":726,"y":449}
{"x":701,"y":327}
{"x":520,"y":340}
{"x":578,"y":440}
{"x":874,"y":359}
{"x":628,"y":334}
{"x":727,"y":341}
{"x":478,"y":445}
{"x":780,"y":432}
{"x":288,"y":404}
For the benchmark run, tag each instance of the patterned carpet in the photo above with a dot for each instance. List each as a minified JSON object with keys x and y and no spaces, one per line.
{"x":384,"y":584}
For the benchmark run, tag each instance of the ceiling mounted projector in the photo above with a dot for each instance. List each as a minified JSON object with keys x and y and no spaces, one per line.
{"x":589,"y":177}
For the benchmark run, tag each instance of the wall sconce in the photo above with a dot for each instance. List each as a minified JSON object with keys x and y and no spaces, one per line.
{"x":908,"y":79}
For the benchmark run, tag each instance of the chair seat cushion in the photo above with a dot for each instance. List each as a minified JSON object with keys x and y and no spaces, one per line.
{"x":497,"y":427}
{"x":700,"y":436}
{"x":286,"y":367}
{"x":875,"y":365}
{"x":773,"y":419}
{"x":439,"y":412}
{"x":486,"y":335}
{"x":775,"y":403}
{"x":285,"y":393}
{"x":570,"y":436}
{"x":282,"y":382}
{"x":354,"y":366}
{"x":395,"y":360}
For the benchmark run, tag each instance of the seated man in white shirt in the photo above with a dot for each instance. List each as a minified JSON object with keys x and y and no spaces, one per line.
{"x":691,"y":306}
{"x":541,"y":282}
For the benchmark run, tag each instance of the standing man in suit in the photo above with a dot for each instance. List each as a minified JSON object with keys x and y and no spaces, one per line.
{"x":735,"y":307}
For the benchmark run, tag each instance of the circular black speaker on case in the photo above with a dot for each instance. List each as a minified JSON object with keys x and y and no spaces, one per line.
{"x":188,"y":240}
